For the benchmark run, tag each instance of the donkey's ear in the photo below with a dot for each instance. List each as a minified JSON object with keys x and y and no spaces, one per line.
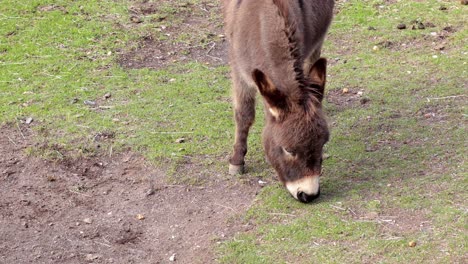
{"x":275,"y":99}
{"x":318,"y":76}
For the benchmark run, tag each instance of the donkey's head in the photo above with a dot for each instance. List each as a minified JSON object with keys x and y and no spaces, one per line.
{"x":296,"y":130}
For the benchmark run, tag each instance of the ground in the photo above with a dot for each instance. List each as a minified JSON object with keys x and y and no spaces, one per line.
{"x":108,"y":209}
{"x":116,"y":126}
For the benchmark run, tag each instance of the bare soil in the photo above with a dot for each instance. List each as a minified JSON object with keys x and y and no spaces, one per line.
{"x":105,"y":209}
{"x":352,"y":97}
{"x":195,"y":38}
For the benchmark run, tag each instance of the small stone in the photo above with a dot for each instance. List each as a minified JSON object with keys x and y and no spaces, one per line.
{"x":172,"y":258}
{"x":364,"y":100}
{"x":140,"y":217}
{"x":375,"y":48}
{"x":89,"y":102}
{"x":429,"y":115}
{"x":448,"y":29}
{"x":345,"y":90}
{"x":109,"y":53}
{"x":370,"y":149}
{"x":372,"y":215}
{"x":412,"y":243}
{"x":360,"y":93}
{"x":107,"y":95}
{"x":136,"y":19}
{"x":435,"y":56}
{"x":88,"y":221}
{"x":180,"y":140}
{"x":51,"y":178}
{"x":440,"y":47}
{"x":262,"y":183}
{"x":150,"y":192}
{"x":172,"y":80}
{"x":91,"y":257}
{"x":401,"y":26}
{"x":28,"y":120}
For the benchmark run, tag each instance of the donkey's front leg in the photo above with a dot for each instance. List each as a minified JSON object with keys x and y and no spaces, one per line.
{"x":244,"y":115}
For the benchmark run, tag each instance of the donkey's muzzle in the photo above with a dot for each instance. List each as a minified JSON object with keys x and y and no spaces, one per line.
{"x":306,"y":198}
{"x":305,"y":189}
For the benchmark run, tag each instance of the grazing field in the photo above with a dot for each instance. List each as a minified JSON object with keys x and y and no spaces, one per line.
{"x":116,"y":126}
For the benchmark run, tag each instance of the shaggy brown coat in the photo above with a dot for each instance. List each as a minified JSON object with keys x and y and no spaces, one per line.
{"x":275,"y":48}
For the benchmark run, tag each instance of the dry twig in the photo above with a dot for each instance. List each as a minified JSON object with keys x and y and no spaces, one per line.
{"x":445,"y":97}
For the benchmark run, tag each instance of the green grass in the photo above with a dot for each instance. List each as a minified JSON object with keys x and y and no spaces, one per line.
{"x":410,"y":184}
{"x":416,"y":168}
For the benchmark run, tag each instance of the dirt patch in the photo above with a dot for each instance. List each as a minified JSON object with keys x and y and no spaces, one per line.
{"x":396,"y":223}
{"x":184,"y":32}
{"x":155,"y":54}
{"x":347,"y":98}
{"x":49,"y":8}
{"x":108,"y":209}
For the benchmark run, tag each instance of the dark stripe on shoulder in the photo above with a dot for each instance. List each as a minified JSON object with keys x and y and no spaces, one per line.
{"x":304,"y":15}
{"x":301,"y":4}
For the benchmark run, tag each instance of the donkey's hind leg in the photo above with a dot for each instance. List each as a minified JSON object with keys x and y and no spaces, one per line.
{"x":244,"y":115}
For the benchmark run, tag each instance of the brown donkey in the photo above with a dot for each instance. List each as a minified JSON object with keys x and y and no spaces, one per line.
{"x":275,"y":48}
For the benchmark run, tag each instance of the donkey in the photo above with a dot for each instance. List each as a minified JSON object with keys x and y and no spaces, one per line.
{"x":275,"y":46}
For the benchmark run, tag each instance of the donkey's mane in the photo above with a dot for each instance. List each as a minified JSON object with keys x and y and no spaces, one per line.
{"x":290,"y":30}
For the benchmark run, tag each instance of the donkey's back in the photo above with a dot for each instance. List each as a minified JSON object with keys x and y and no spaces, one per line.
{"x":256,"y":32}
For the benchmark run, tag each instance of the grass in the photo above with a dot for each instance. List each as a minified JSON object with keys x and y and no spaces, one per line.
{"x":396,"y":171}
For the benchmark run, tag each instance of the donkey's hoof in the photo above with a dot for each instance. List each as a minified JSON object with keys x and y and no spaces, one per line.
{"x":236,"y":169}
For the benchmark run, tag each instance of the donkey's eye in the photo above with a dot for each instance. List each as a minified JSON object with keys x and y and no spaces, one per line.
{"x":289,"y":152}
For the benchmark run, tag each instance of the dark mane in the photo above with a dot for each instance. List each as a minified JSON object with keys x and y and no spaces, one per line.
{"x":290,"y":29}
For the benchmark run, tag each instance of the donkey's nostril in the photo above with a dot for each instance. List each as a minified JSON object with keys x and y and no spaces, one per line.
{"x":306,"y":198}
